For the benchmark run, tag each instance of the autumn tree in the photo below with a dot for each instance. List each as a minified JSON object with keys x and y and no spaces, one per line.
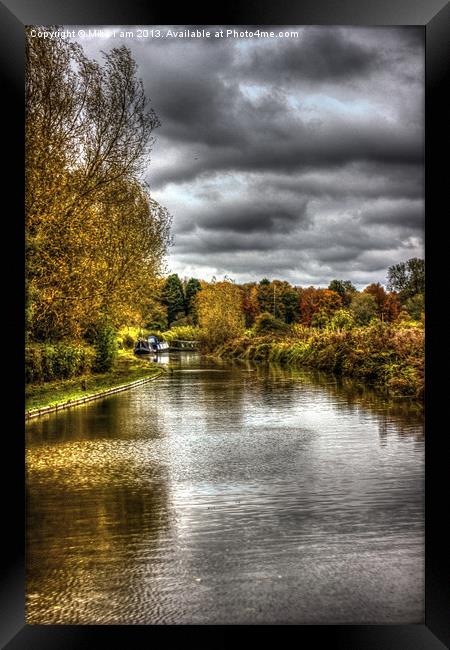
{"x":313,"y":301}
{"x":220,"y":314}
{"x":278,"y":298}
{"x":392,"y":306}
{"x":250,"y":303}
{"x":415,"y":306}
{"x":376,"y":290}
{"x":94,"y":235}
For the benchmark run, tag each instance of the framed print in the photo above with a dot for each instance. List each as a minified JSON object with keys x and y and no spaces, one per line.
{"x":287,"y":169}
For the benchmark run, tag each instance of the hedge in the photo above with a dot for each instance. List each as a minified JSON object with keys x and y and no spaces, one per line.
{"x":47,"y":362}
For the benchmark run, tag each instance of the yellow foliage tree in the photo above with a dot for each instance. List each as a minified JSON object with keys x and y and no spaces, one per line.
{"x":220,"y":312}
{"x":95,"y":238}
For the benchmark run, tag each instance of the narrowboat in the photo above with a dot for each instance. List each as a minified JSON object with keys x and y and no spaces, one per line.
{"x":151,"y":345}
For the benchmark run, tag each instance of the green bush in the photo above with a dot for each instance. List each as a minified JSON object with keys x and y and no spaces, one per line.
{"x":266,"y":323}
{"x":33,"y":364}
{"x":105,"y":345}
{"x":49,"y":362}
{"x":128,"y":342}
{"x":182,"y":333}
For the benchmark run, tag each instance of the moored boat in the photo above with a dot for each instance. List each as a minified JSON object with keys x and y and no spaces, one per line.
{"x":151,"y":345}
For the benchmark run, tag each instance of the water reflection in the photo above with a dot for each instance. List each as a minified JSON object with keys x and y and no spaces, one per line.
{"x":227,"y":493}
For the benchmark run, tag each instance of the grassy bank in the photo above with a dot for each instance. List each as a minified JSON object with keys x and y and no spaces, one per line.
{"x":128,"y":368}
{"x":389,"y":358}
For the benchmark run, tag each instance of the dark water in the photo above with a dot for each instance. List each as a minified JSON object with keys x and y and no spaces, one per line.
{"x":227,"y":494}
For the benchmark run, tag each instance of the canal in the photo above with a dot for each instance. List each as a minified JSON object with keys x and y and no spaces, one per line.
{"x":227,"y":493}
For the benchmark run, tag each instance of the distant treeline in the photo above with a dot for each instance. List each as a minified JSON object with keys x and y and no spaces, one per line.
{"x":374,"y":335}
{"x":239,"y":306}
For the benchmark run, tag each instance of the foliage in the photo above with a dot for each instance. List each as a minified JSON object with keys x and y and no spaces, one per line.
{"x":278,"y":298}
{"x":388,"y":356}
{"x":191,"y":289}
{"x":415,"y":306}
{"x":342,"y":319}
{"x":183,"y":333}
{"x":59,"y":391}
{"x":250,"y":303}
{"x":320,"y":319}
{"x":127,"y":337}
{"x":314,"y":300}
{"x":105,"y":344}
{"x":220,"y":315}
{"x":408,"y":278}
{"x":173,"y":298}
{"x":266,"y":323}
{"x":363,"y":307}
{"x":344,"y":288}
{"x":94,"y":235}
{"x":46,"y":362}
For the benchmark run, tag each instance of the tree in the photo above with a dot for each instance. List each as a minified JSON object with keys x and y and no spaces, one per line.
{"x":342,"y":320}
{"x":392,"y":306}
{"x":344,"y":288}
{"x":250,"y":303}
{"x":408,"y":278}
{"x":220,"y":314}
{"x":379,"y":295}
{"x":265,"y":323}
{"x":289,"y":299}
{"x":415,"y":306}
{"x":266,"y":297}
{"x":94,"y":236}
{"x":191,"y":289}
{"x":173,"y":298}
{"x":279,"y":298}
{"x":314,"y":300}
{"x":363,"y":307}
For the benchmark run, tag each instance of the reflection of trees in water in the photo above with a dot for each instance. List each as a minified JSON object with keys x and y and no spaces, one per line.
{"x":97,"y":507}
{"x":393,"y":415}
{"x":105,"y":418}
{"x":101,"y":418}
{"x":402,"y":416}
{"x":270,"y":383}
{"x":81,"y":542}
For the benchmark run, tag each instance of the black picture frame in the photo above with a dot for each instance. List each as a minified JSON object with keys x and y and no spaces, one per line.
{"x":434,"y":16}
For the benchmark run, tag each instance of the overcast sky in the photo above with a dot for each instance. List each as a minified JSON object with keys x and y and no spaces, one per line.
{"x":296,"y":158}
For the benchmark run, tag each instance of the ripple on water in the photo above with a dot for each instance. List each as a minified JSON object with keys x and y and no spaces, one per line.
{"x":222,"y":496}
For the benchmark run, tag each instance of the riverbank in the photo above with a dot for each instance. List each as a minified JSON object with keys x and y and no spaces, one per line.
{"x":128,"y":370}
{"x":390,"y":359}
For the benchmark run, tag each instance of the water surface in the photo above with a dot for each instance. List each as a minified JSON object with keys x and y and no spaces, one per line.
{"x":227,"y":493}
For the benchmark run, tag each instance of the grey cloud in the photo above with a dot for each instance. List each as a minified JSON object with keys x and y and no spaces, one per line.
{"x":248,"y":218}
{"x":406,"y":214}
{"x":298,"y":158}
{"x":320,"y":54}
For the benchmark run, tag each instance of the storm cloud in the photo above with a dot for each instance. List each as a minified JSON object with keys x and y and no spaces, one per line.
{"x":300,"y":158}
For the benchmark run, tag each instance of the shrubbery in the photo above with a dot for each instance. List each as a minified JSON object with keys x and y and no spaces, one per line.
{"x":181,"y":333}
{"x":47,"y":362}
{"x":52,"y":361}
{"x":266,"y":323}
{"x":105,"y":344}
{"x":389,"y":357}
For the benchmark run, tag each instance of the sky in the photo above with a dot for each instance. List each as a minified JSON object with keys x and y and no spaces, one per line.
{"x":299,"y":157}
